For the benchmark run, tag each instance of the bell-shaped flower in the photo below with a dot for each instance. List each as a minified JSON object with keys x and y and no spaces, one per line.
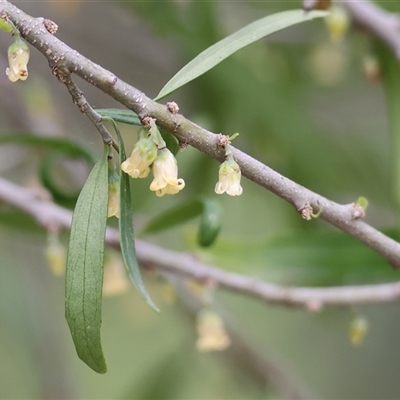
{"x":211,"y":332}
{"x":165,"y":171}
{"x":357,"y":330}
{"x":115,"y":280}
{"x":229,"y":178}
{"x":56,"y":254}
{"x":143,"y":154}
{"x":337,"y":22}
{"x":18,"y":57}
{"x":113,"y":191}
{"x":113,"y":200}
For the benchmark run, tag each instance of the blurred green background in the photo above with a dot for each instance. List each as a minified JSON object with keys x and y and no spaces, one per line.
{"x":302,"y":105}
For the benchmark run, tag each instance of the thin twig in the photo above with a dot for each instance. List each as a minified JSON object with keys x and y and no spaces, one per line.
{"x":84,"y":106}
{"x":260,"y":363}
{"x":59,"y":55}
{"x":49,"y":215}
{"x":382,"y":24}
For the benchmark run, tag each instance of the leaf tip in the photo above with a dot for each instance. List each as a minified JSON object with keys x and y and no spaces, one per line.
{"x":97,"y":365}
{"x":103,"y":371}
{"x":152,"y":305}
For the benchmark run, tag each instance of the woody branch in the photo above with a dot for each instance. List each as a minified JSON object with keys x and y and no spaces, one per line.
{"x":60,"y":56}
{"x":51,"y":216}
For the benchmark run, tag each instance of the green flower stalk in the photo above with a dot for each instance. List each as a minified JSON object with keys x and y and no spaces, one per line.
{"x":156,"y":136}
{"x":5,"y":24}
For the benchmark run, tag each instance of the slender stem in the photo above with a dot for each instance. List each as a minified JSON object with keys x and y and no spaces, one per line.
{"x":344,"y":217}
{"x":83,"y":105}
{"x":50,"y":215}
{"x":380,"y":23}
{"x":260,"y":363}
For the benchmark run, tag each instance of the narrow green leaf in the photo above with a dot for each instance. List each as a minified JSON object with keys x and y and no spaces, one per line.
{"x":48,"y":166}
{"x":210,"y":222}
{"x":390,"y":74}
{"x":120,"y":115}
{"x":65,"y":146}
{"x":208,"y":209}
{"x":218,"y":52}
{"x":126,"y":232}
{"x":84,"y":278}
{"x":61,"y":148}
{"x":174,"y":216}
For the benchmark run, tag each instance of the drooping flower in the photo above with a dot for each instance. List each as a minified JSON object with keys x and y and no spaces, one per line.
{"x":165,"y":171}
{"x":113,"y":201}
{"x":56,"y":254}
{"x":357,"y":330}
{"x":113,"y":190}
{"x":211,"y":332}
{"x":229,"y":178}
{"x":115,"y":280}
{"x":18,"y":57}
{"x":143,"y":154}
{"x":337,"y":22}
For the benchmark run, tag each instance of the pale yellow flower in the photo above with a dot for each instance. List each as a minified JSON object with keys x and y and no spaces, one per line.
{"x":113,"y":201}
{"x":338,"y":23}
{"x":115,"y":280}
{"x":211,"y":332}
{"x":18,"y":57}
{"x":357,"y":330}
{"x":56,"y":254}
{"x":165,"y":171}
{"x":229,"y":178}
{"x":143,"y":154}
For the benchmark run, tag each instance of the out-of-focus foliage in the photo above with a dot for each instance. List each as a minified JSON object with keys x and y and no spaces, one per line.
{"x":302,"y":106}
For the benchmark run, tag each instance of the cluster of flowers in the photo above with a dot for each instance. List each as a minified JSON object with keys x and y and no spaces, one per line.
{"x":151,"y":151}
